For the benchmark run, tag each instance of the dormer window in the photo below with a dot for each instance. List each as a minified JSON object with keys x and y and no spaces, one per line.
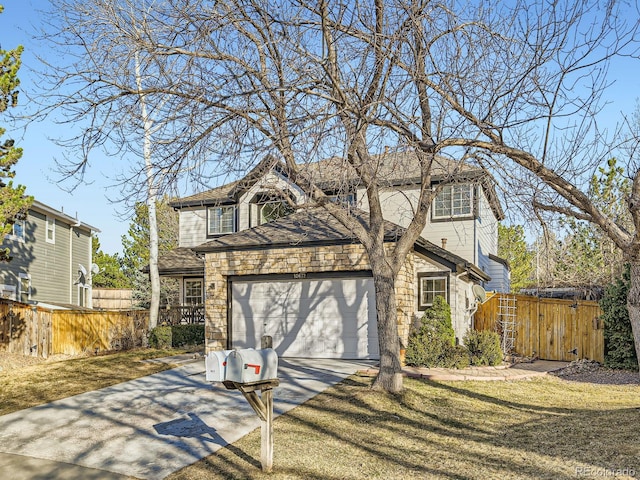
{"x":221,"y":220}
{"x":454,"y":201}
{"x":271,"y":211}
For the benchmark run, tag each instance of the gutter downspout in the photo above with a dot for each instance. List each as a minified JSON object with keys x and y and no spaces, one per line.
{"x":457,"y":277}
{"x":70,"y":264}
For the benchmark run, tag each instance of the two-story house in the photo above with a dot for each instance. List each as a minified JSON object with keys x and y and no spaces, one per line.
{"x":262,"y":267}
{"x":51,"y":259}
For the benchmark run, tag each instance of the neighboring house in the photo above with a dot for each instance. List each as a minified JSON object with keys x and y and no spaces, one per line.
{"x":51,"y":259}
{"x":301,"y":277}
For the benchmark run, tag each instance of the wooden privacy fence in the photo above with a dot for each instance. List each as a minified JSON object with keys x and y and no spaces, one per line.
{"x":25,"y":329}
{"x":112,"y":298}
{"x":75,"y":332}
{"x":549,"y":329}
{"x":31,"y":330}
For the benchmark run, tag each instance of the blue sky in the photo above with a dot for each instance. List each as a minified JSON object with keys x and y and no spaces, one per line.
{"x":89,"y":200}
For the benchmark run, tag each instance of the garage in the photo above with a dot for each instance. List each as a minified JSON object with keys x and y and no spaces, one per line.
{"x":310,"y":317}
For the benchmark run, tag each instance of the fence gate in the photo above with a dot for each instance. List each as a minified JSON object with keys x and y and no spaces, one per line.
{"x":546,"y":328}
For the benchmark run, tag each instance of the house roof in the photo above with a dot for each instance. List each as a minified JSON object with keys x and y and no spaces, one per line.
{"x":306,"y":226}
{"x":315,"y":226}
{"x":180,"y":261}
{"x":391,"y":168}
{"x":229,"y":192}
{"x":335,"y":173}
{"x":60,"y":215}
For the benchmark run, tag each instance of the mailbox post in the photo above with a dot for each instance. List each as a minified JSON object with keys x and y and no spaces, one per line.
{"x":250,"y":371}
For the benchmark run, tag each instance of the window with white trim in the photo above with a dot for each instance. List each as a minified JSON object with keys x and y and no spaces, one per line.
{"x":25,"y":287}
{"x":8,"y":292}
{"x":193,"y":288}
{"x":221,"y":220}
{"x":18,"y":229}
{"x":51,"y":229}
{"x":348,"y":199}
{"x":454,"y":201}
{"x":431,"y":285}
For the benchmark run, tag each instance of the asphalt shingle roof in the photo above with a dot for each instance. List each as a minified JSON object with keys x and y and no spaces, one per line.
{"x":315,"y":226}
{"x":306,"y":226}
{"x":392,"y":168}
{"x":180,"y":261}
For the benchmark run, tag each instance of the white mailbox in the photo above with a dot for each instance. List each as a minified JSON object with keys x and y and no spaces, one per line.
{"x":215,"y":364}
{"x":249,"y":365}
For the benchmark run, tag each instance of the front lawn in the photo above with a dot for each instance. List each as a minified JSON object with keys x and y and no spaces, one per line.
{"x":45,"y":382}
{"x":546,"y":428}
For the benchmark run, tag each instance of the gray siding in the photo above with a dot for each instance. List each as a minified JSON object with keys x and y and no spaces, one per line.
{"x":193,"y":226}
{"x":462,"y":235}
{"x":500,"y":277}
{"x":52,"y":266}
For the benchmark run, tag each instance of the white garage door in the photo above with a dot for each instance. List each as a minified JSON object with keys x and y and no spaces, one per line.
{"x":319,"y":318}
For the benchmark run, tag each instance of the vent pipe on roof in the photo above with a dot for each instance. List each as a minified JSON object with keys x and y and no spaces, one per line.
{"x":444,"y":243}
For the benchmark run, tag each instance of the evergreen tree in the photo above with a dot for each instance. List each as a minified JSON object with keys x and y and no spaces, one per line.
{"x":587,"y":256}
{"x":432,"y":344}
{"x":111,"y":274}
{"x":136,"y":252}
{"x":13,"y":202}
{"x":618,"y":337}
{"x":513,"y":247}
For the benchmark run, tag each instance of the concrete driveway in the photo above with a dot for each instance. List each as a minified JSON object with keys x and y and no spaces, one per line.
{"x":149,"y":427}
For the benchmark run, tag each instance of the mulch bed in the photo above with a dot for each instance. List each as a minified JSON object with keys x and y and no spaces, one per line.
{"x":590,"y":371}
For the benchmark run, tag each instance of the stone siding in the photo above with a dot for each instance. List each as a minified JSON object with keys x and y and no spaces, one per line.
{"x":293,"y":260}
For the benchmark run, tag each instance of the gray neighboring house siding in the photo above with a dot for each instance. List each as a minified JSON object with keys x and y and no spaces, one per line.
{"x":51,"y":264}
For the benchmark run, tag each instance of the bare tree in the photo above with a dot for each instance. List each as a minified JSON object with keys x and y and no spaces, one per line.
{"x":513,"y":88}
{"x":109,"y":87}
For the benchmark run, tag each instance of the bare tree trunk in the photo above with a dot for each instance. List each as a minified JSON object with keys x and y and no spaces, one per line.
{"x":633,"y":304}
{"x":390,"y":375}
{"x":154,"y":274}
{"x":152,"y":197}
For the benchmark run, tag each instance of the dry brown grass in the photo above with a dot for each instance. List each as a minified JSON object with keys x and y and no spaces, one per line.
{"x":41,"y":383}
{"x":546,"y":428}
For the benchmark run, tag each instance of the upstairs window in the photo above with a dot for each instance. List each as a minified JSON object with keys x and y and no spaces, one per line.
{"x":347,"y":199}
{"x":271,"y":211}
{"x":18,"y":229}
{"x":221,"y":220}
{"x":51,"y":229}
{"x":454,"y":201}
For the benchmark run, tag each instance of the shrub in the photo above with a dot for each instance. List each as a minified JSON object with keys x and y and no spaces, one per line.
{"x":176,"y":336}
{"x":454,"y":356}
{"x":432,"y":345}
{"x":619,"y":348}
{"x":484,"y":347}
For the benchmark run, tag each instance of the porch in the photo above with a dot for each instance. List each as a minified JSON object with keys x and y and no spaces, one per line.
{"x":181,"y":315}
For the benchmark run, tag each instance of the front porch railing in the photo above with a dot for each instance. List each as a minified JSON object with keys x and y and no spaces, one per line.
{"x":182,"y":314}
